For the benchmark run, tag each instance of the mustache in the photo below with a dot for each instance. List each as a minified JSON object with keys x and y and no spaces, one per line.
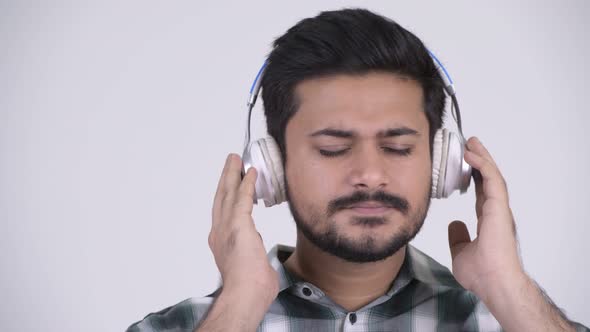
{"x":389,"y":200}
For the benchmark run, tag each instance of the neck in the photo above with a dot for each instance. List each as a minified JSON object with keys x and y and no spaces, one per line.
{"x":350,"y":285}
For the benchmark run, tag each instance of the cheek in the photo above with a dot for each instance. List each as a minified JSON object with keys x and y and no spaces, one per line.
{"x":417,"y":178}
{"x":309,"y":180}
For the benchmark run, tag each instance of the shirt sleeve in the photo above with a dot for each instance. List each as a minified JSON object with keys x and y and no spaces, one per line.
{"x":184,"y":316}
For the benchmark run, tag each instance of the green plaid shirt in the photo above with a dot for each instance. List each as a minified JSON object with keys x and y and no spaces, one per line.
{"x":424,"y":297}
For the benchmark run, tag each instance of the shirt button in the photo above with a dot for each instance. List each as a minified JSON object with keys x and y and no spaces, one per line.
{"x":306,"y":291}
{"x":352,"y":318}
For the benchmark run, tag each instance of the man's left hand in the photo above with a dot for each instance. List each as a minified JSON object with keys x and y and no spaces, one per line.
{"x":492,"y":258}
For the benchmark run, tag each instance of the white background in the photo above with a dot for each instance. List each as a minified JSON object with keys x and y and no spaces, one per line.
{"x":116,"y":117}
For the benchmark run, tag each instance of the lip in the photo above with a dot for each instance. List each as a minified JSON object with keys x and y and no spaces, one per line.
{"x":367,"y":205}
{"x":370,"y":208}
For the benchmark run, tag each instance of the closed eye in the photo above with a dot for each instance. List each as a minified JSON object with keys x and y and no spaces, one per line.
{"x":333,"y":153}
{"x":336,"y":153}
{"x":401,"y":152}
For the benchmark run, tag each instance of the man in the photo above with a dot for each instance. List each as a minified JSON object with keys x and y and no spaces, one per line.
{"x":353,"y":101}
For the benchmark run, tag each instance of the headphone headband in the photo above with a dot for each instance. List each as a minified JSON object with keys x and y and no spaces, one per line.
{"x":449,"y":89}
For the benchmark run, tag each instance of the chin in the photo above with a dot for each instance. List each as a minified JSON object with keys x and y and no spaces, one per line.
{"x":370,"y":245}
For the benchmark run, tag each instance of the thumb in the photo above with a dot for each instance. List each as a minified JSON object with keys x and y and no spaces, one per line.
{"x":458,"y":237}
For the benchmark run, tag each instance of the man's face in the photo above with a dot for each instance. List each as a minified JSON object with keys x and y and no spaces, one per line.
{"x":358,"y":167}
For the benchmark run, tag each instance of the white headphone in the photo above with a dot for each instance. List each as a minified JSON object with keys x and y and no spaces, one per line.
{"x":449,"y":170}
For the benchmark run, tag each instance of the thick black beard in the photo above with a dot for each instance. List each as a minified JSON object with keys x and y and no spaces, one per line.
{"x":365,"y":250}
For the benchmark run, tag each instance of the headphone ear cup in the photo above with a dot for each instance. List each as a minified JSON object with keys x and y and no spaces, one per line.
{"x":264,"y":155}
{"x":439,"y":155}
{"x":274,"y":164}
{"x":458,"y":171}
{"x":449,"y":170}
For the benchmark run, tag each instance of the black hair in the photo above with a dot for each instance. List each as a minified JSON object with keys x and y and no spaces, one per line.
{"x":347,"y":41}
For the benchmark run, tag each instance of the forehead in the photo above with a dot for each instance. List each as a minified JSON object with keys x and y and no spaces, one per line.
{"x":375,"y":99}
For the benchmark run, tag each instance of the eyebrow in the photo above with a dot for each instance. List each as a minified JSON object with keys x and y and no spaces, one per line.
{"x":390,"y":132}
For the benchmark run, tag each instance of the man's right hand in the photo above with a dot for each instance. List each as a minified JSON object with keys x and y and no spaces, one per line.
{"x":250,"y":283}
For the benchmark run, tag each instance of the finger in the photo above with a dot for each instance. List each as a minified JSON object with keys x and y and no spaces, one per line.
{"x":458,"y":237}
{"x":476,"y":146}
{"x":230,"y":183}
{"x":245,"y":198}
{"x":233,"y":176}
{"x":222,"y":176}
{"x":479,"y":198}
{"x":220,"y":192}
{"x":492,"y":185}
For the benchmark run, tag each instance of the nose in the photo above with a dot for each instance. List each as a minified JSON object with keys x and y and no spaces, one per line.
{"x":368,"y":169}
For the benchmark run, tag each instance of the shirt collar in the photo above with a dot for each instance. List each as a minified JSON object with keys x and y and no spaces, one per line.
{"x":425,"y":269}
{"x":276,"y":256}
